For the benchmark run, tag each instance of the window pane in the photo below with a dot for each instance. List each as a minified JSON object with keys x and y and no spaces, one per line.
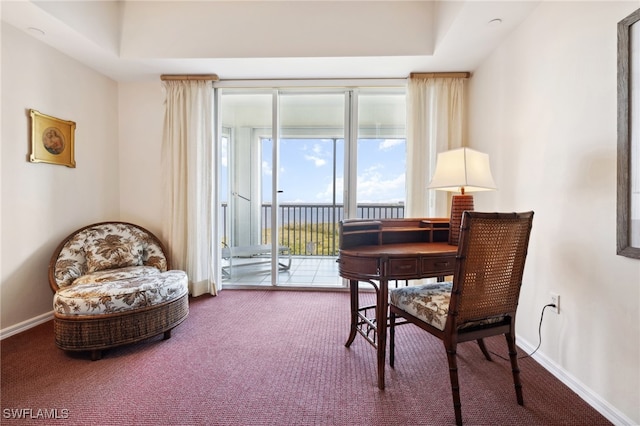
{"x":381,"y":154}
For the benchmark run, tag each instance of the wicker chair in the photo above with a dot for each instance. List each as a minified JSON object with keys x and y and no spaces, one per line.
{"x":113,"y":286}
{"x":483,"y":297}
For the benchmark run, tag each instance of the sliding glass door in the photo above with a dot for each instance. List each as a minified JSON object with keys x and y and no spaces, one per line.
{"x":311,"y":172}
{"x":297,"y":161}
{"x":246,"y":121}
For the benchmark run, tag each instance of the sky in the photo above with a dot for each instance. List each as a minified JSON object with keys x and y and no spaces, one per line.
{"x":307,"y":167}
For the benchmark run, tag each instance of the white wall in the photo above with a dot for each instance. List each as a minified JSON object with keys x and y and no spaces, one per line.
{"x":141,"y":111}
{"x":544,"y":107}
{"x":43,"y":203}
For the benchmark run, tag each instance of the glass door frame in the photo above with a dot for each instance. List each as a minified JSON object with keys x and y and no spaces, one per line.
{"x":275,"y":202}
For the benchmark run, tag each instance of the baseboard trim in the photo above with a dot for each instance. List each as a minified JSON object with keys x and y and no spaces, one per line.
{"x":584,"y":392}
{"x":25,"y":325}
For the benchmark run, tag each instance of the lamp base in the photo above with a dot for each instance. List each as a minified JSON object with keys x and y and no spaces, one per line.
{"x":459,"y":203}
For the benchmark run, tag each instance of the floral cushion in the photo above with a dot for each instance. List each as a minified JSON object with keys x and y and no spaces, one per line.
{"x":428,"y":302}
{"x":112,"y":251}
{"x":125,"y":292}
{"x":117,"y":274}
{"x":91,"y":249}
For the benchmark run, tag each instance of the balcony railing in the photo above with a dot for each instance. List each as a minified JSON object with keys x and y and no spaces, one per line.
{"x":313,"y":229}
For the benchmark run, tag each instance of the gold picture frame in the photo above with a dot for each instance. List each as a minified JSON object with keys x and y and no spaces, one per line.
{"x":52,"y":140}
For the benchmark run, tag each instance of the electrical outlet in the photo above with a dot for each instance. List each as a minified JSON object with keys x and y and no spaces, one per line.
{"x":555,"y":299}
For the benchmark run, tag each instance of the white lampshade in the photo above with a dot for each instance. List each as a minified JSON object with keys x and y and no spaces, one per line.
{"x":464,"y":170}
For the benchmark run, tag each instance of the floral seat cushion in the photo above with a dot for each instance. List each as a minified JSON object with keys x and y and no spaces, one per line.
{"x":116,"y":274}
{"x":119,"y":290}
{"x":430,"y":303}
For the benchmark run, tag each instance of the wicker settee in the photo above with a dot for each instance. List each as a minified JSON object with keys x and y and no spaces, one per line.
{"x":112,"y":286}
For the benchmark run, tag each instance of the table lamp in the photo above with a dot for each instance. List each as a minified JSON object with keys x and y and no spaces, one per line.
{"x":461,"y":170}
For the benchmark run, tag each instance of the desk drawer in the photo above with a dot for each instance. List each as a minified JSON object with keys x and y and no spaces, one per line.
{"x":439,"y":265}
{"x":403,"y":267}
{"x":359,"y":266}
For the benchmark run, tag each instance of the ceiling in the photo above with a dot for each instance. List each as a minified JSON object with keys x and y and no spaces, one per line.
{"x":237,"y":39}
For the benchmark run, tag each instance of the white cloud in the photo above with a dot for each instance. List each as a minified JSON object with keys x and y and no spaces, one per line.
{"x":317,"y":161}
{"x":388,"y":144}
{"x":372,"y":188}
{"x":326,"y":196}
{"x":266,"y":169}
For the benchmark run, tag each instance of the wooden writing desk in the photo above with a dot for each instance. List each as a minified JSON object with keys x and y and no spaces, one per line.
{"x":379,"y":251}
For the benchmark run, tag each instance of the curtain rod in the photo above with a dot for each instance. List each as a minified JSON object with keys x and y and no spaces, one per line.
{"x":440,"y":75}
{"x":214,"y":77}
{"x":165,"y":77}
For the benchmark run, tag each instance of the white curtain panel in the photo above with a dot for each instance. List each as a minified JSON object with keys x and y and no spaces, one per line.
{"x":189,"y":169}
{"x":435,"y":117}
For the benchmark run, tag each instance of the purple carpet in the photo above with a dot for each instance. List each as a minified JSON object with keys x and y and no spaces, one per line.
{"x":272,"y":358}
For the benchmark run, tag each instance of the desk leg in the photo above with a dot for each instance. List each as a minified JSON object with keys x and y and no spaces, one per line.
{"x":382,"y":308}
{"x":353,"y":289}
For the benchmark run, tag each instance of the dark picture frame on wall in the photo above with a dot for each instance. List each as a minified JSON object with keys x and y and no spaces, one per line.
{"x":628,"y":196}
{"x":52,"y":140}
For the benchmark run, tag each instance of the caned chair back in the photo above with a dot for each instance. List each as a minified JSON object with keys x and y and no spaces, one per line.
{"x":489,"y":268}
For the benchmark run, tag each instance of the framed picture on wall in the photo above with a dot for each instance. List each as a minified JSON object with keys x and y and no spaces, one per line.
{"x":51,"y":140}
{"x":628,"y":223}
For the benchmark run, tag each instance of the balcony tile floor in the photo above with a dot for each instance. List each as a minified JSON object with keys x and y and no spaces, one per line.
{"x":305,"y":272}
